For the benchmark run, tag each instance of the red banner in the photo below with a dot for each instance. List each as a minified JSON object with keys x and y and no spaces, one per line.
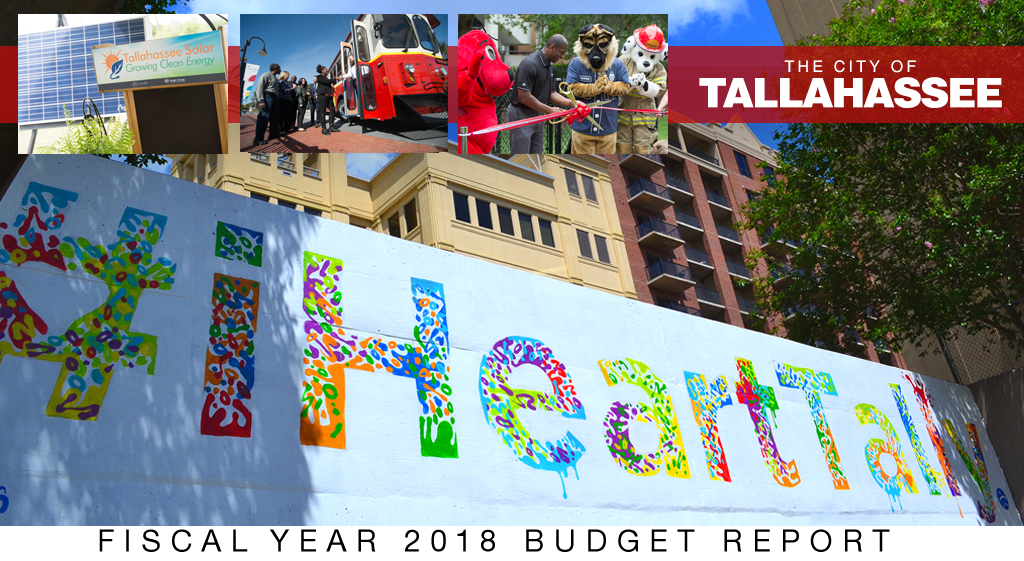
{"x":234,"y":83}
{"x":847,"y":84}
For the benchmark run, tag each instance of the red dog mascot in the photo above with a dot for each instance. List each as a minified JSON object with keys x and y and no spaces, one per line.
{"x":481,"y":75}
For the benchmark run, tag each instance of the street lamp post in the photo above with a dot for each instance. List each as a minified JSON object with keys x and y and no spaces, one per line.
{"x":241,"y":70}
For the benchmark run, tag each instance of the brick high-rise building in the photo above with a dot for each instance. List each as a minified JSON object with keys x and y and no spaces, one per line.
{"x":678,"y":213}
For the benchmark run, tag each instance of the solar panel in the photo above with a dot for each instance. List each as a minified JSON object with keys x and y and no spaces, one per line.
{"x":55,"y":68}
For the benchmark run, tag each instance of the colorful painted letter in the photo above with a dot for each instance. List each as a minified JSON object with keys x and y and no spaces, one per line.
{"x":89,"y":348}
{"x":925,"y":404}
{"x":670,"y":451}
{"x":330,"y":352}
{"x":500,"y":402}
{"x":931,"y":476}
{"x":811,"y":382}
{"x":230,"y":357}
{"x":235,"y":243}
{"x":760,"y":401}
{"x":706,"y":403}
{"x":891,"y":484}
{"x":975,"y":465}
{"x":43,"y":206}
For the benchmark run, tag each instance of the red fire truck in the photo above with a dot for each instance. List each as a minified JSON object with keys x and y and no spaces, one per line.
{"x":400,"y":67}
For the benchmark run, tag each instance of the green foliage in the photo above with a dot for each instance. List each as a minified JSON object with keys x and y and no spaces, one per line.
{"x":150,"y":6}
{"x":140,"y":160}
{"x":88,"y":137}
{"x":927,"y":23}
{"x":569,"y":25}
{"x":905,"y":229}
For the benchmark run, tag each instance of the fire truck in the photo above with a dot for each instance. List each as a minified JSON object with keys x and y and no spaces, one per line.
{"x":401,"y":70}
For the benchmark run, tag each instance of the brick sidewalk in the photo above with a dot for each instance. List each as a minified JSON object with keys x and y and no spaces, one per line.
{"x":311,"y":140}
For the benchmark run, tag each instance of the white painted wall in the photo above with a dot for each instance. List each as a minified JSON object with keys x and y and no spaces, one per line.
{"x":144,"y":461}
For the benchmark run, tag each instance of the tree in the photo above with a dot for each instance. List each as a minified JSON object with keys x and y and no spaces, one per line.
{"x":150,"y":6}
{"x":905,"y":230}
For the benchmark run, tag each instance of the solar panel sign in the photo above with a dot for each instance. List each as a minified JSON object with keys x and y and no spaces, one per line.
{"x":174,"y":61}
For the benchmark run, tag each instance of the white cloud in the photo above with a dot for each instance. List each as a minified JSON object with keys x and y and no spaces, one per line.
{"x":683,"y":12}
{"x":365,"y":166}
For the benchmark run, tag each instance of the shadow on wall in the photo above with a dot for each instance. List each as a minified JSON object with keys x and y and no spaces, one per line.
{"x":1001,"y":401}
{"x":979,"y":484}
{"x":144,"y":461}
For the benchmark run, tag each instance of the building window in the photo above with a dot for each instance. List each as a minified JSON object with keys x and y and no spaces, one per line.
{"x":313,"y":211}
{"x":526,"y":227}
{"x":751,"y":196}
{"x":588,"y":188}
{"x":287,"y":204}
{"x":284,"y":161}
{"x":410,"y":216}
{"x":741,"y":162}
{"x":213,"y":162}
{"x":483,"y":214}
{"x":311,"y":166}
{"x":584,"y":239}
{"x":547,"y":236}
{"x":602,"y":249}
{"x":570,"y":181}
{"x":461,"y":207}
{"x":259,"y":197}
{"x":505,"y":221}
{"x":395,"y":226}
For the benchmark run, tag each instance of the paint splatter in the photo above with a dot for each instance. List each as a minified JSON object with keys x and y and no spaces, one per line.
{"x":706,"y":402}
{"x":975,"y":465}
{"x":812,"y":382}
{"x":670,"y":452}
{"x":902,"y":479}
{"x":501,"y":402}
{"x":761,"y":402}
{"x":931,"y":476}
{"x":236,"y":243}
{"x":230,"y":357}
{"x":43,"y":215}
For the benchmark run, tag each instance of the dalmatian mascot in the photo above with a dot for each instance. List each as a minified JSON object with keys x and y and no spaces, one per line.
{"x":596,"y":75}
{"x":642,"y":56}
{"x":481,"y":75}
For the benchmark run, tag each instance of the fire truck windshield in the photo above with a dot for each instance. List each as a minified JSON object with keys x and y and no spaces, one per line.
{"x":425,"y":33}
{"x":396,"y":33}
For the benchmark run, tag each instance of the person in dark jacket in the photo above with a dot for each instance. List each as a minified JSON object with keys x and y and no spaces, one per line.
{"x":302,"y":99}
{"x":265,"y":92}
{"x":284,"y":92}
{"x":325,"y":98}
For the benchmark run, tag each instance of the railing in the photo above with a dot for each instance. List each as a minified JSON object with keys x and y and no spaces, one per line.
{"x":698,"y":256}
{"x":727,"y":232}
{"x":716,"y":198}
{"x":213,"y":165}
{"x":688,"y":219}
{"x":882,"y":347}
{"x":737,"y":269}
{"x":666,"y":267}
{"x":200,"y":178}
{"x":641,"y":185}
{"x":703,"y":156}
{"x":708,"y":295}
{"x":746,"y":305}
{"x":781,"y":270}
{"x":678,"y":183}
{"x":679,"y":307}
{"x":310,"y":172}
{"x":675,"y":144}
{"x":653,"y":157}
{"x":654,"y":225}
{"x":259,"y":157}
{"x":285,"y":164}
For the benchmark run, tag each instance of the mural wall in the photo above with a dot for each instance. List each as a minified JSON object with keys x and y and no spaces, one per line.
{"x":144,"y":301}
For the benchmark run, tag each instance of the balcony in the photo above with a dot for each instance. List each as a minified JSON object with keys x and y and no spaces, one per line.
{"x":669,"y":276}
{"x":704,"y":156}
{"x":746,"y":306}
{"x":642,"y":164}
{"x":782,"y":274}
{"x":710,"y":303}
{"x":729,"y":237}
{"x":649,"y":196}
{"x":262,"y":158}
{"x":679,"y":307}
{"x":778,"y":247}
{"x":700,"y":262}
{"x":311,"y":172}
{"x":657,"y":234}
{"x":285,"y":164}
{"x":737,"y":269}
{"x":689,"y":225}
{"x":719,"y":205}
{"x":679,"y":189}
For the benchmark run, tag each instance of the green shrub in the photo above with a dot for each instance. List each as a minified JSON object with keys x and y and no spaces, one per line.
{"x":88,"y":137}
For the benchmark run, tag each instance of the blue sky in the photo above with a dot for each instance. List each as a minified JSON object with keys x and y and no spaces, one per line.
{"x":299,"y":42}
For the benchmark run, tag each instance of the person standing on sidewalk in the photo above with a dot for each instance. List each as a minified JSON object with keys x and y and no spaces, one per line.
{"x":265,"y":92}
{"x":302,"y":99}
{"x":284,"y":94}
{"x":325,"y":98}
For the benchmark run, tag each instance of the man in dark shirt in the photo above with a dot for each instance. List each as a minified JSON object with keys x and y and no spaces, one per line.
{"x":534,"y":89}
{"x":325,"y":98}
{"x":265,"y":92}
